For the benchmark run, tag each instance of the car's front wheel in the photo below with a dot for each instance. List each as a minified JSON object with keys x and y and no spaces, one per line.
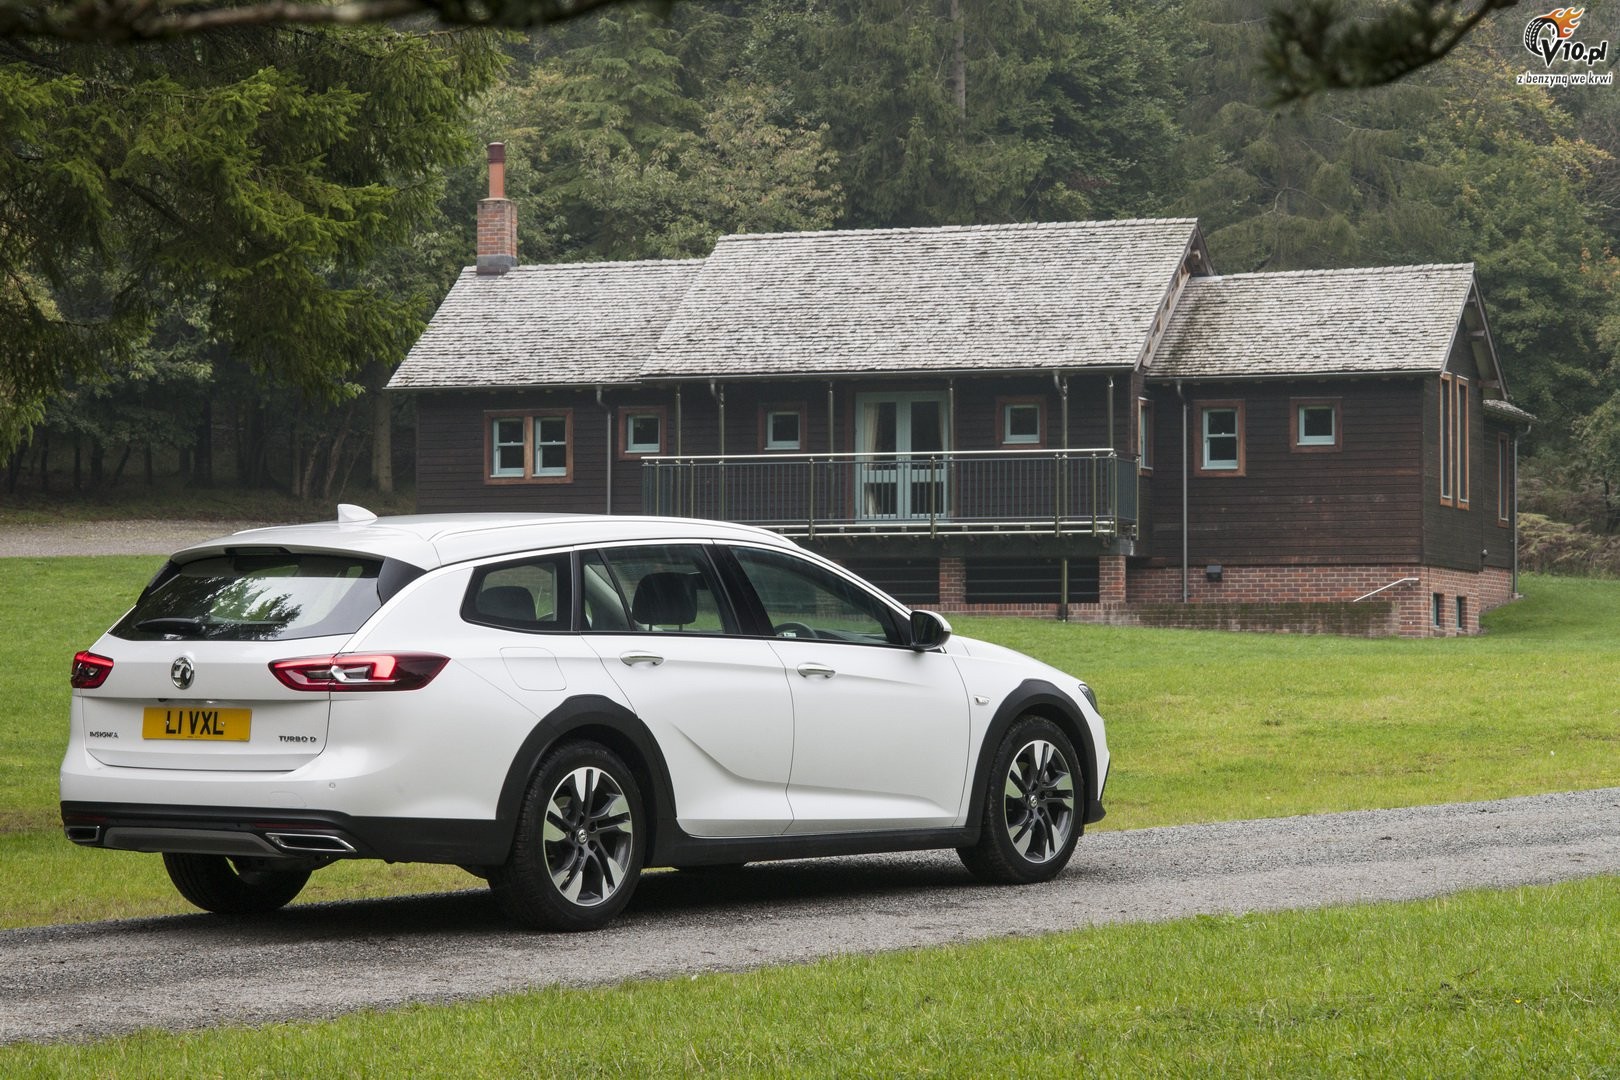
{"x":579,"y":846}
{"x":1031,"y":818}
{"x":230,"y":886}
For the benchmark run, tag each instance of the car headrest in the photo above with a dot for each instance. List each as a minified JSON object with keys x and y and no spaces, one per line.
{"x":665,"y":598}
{"x":511,"y":603}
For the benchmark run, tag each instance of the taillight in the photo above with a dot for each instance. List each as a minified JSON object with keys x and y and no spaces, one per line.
{"x":89,"y":670}
{"x":360,"y":671}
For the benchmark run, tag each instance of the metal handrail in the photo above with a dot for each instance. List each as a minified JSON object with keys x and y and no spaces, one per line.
{"x":1391,"y":585}
{"x":802,"y":456}
{"x":962,"y":492}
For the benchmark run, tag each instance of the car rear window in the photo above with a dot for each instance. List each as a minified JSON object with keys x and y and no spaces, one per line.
{"x":241,"y":597}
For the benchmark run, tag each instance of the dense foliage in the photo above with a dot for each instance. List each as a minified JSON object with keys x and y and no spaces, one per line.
{"x":227,"y":240}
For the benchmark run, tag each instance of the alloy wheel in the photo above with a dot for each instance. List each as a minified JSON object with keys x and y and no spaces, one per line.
{"x":1039,"y":801}
{"x":588,"y":837}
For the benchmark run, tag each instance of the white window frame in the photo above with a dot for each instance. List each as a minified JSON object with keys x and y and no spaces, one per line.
{"x":633,"y":447}
{"x":1304,"y":439}
{"x":496,"y":445}
{"x":1233,"y":466}
{"x":772,"y":442}
{"x":540,"y":444}
{"x":1008,"y":436}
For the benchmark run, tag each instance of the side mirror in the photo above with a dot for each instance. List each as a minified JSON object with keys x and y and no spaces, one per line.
{"x":929,"y":630}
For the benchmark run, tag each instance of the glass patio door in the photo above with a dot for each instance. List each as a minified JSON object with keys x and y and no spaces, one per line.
{"x":898,"y":475}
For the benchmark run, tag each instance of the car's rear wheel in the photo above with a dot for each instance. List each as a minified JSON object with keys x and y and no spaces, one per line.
{"x":579,"y":846}
{"x":1031,"y":814}
{"x":230,"y":886}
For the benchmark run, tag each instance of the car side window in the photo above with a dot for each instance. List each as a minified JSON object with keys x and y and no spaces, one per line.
{"x":662,"y":588}
{"x":533,"y":594}
{"x":804,"y":600}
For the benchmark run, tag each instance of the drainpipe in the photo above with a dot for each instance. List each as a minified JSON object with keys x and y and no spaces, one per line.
{"x":832,"y":437}
{"x":1110,"y":412}
{"x":1515,"y":509}
{"x":1061,"y":382}
{"x":718,"y":392}
{"x":1186,"y":468}
{"x":607,"y":414}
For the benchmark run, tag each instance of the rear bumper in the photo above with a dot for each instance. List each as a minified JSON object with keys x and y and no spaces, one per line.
{"x":283,"y":833}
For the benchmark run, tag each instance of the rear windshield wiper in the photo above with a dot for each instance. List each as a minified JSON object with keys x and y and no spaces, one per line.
{"x":173,"y":624}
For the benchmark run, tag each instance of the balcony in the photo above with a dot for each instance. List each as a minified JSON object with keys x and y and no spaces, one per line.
{"x":962,"y":493}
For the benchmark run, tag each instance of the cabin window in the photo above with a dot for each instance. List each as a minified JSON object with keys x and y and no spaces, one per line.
{"x":1221,"y":426}
{"x":1454,"y":478}
{"x":783,"y":428}
{"x":1461,"y":443}
{"x":1462,"y":614}
{"x":641,"y":431}
{"x":1448,"y":434}
{"x":530,"y":447}
{"x":1437,"y":610}
{"x":506,"y":446}
{"x":1504,"y":480}
{"x":551,"y":445}
{"x":1021,"y":421}
{"x":1144,"y":433}
{"x":1316,"y":425}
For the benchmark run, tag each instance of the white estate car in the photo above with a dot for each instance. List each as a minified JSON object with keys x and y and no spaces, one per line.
{"x":555,"y":702}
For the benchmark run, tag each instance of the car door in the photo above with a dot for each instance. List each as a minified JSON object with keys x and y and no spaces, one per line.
{"x":880,"y":731}
{"x":717,"y":702}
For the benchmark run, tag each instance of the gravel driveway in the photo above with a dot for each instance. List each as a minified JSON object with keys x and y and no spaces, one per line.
{"x":111,"y":537}
{"x":101,"y":979}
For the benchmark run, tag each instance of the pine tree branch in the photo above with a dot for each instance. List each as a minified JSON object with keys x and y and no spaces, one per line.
{"x":1321,"y":45}
{"x":110,"y":21}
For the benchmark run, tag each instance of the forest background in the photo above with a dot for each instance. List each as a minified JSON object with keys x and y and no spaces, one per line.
{"x":214,"y":250}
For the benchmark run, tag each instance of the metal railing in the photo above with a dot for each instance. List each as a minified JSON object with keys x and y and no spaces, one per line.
{"x":1057,"y":492}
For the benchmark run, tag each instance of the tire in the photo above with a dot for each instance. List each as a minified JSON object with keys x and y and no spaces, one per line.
{"x":1033,"y":803}
{"x":1532,"y":33}
{"x":579,"y":846}
{"x":229,"y":886}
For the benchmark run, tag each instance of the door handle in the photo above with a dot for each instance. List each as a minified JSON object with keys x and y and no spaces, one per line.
{"x":631,"y":659}
{"x":813,"y":671}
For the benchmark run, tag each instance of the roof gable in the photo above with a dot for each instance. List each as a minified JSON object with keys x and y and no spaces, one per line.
{"x":998,"y":297}
{"x":1383,"y":320}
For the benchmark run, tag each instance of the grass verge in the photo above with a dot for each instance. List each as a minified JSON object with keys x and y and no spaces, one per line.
{"x":1482,"y":984}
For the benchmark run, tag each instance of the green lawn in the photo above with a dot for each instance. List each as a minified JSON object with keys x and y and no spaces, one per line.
{"x":1203,"y":726}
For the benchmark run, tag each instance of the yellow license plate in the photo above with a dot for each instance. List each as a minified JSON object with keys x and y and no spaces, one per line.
{"x":213,"y":725}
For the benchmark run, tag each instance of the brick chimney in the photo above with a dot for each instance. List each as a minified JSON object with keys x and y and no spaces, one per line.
{"x":497,"y":219}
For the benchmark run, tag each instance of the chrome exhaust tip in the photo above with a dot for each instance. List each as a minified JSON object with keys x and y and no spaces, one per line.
{"x":83,"y":834}
{"x":311,"y":843}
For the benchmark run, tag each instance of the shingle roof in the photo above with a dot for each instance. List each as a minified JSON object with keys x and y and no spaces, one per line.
{"x":1316,"y":322}
{"x":567,"y":324}
{"x":1506,"y":410}
{"x":1069,"y":295}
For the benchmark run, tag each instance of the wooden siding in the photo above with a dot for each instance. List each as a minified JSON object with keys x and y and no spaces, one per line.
{"x":452,"y":473}
{"x":1359,"y":504}
{"x":1454,"y":537}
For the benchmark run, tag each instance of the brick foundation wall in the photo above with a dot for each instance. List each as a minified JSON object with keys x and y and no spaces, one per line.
{"x":1111,"y":578}
{"x":1412,"y":606}
{"x":1278,"y":599}
{"x":953,"y":586}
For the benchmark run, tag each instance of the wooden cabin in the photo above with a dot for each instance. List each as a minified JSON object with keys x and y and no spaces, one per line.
{"x":1075,"y":419}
